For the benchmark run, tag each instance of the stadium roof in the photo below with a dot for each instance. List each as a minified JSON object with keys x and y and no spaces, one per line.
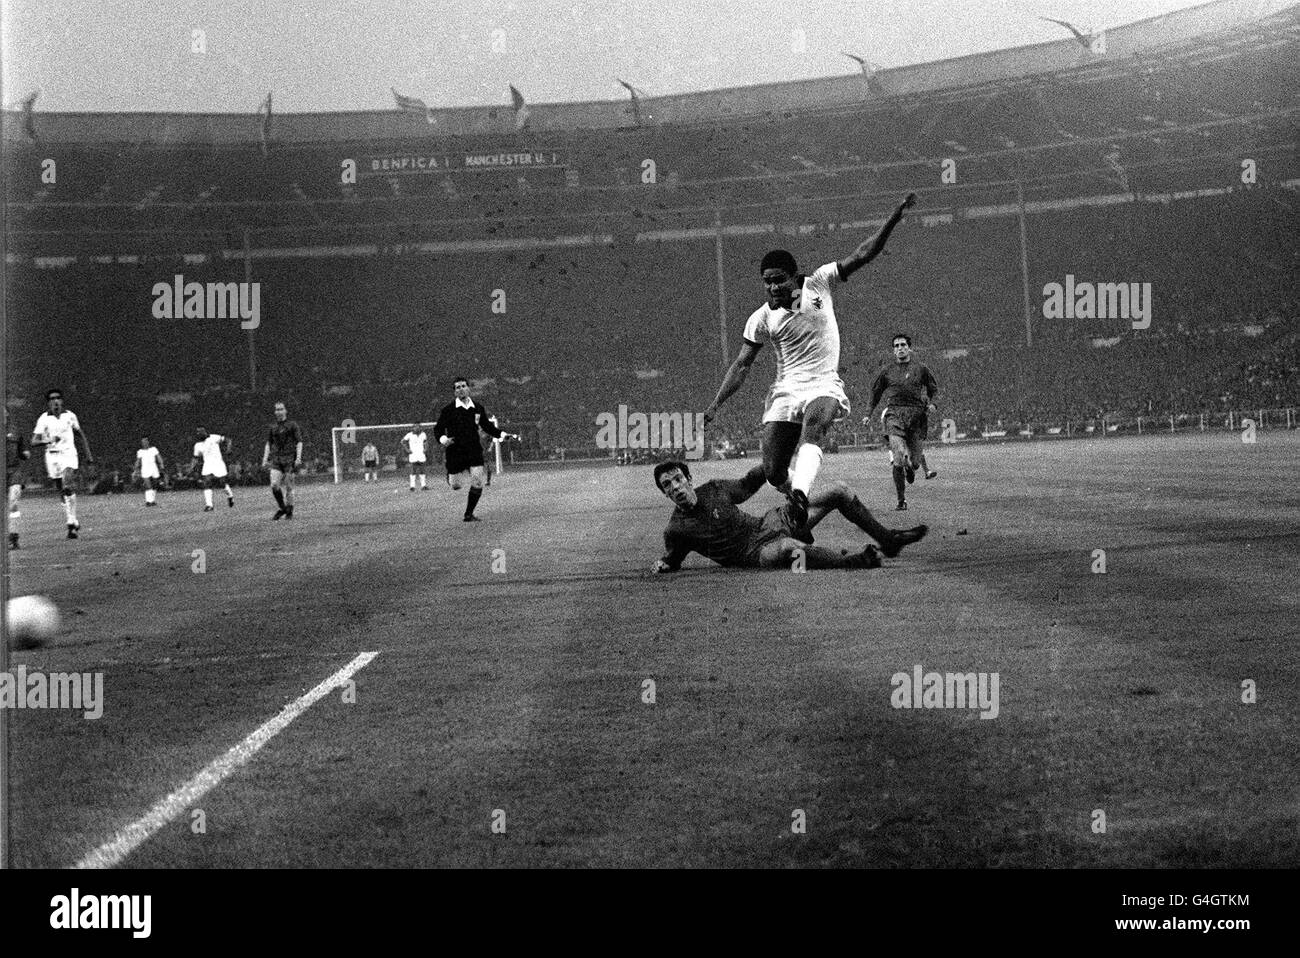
{"x":1192,"y":32}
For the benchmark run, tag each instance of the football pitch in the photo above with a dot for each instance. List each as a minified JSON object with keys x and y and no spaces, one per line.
{"x":536,"y":697}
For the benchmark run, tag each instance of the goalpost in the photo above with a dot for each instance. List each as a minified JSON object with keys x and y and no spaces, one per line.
{"x":346,"y":443}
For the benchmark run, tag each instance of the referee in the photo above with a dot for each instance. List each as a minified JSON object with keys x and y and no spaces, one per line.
{"x":457,"y":432}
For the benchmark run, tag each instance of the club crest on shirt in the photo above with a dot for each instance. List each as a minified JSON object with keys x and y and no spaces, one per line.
{"x":817,"y":302}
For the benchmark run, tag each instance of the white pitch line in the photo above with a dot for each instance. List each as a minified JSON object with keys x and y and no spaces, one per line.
{"x":128,"y":839}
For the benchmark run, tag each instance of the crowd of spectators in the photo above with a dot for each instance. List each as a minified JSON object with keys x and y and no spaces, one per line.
{"x":554,"y":339}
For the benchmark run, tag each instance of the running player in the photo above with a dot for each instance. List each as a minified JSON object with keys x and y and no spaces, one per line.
{"x":149,"y":469}
{"x":908,"y":389}
{"x":370,"y":462}
{"x":16,"y":453}
{"x":283,"y":456}
{"x":415,"y":441}
{"x":57,"y":429}
{"x":457,"y":432}
{"x":708,"y":521}
{"x":209,"y":448}
{"x":807,"y":397}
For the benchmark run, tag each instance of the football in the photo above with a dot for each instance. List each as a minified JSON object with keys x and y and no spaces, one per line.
{"x":30,"y":621}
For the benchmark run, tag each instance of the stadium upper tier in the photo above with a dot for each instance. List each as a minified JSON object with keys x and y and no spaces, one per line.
{"x":1190,"y":92}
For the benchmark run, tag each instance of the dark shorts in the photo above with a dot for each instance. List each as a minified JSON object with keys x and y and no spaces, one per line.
{"x":778,"y":523}
{"x":13,"y":477}
{"x":907,"y":422}
{"x":371,"y":464}
{"x":282,"y":465}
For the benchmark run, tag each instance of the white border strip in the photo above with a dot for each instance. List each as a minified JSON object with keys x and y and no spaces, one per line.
{"x":128,"y":839}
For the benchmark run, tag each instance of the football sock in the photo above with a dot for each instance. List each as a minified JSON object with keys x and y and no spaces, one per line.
{"x":423,"y":484}
{"x":900,"y":481}
{"x":806,"y":463}
{"x":148,"y":495}
{"x":288,"y":498}
{"x":474,"y":495}
{"x":207,"y":497}
{"x":14,"y":516}
{"x":279,"y":497}
{"x":70,"y":507}
{"x":861,"y":516}
{"x":413,"y":482}
{"x":229,"y":494}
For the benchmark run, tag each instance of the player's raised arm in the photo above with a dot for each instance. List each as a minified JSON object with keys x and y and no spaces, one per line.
{"x":869,"y":249}
{"x":734,"y":379}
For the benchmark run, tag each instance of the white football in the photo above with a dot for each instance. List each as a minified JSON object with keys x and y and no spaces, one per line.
{"x":30,"y":621}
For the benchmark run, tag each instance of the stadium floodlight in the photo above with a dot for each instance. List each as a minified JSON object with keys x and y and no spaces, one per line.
{"x":346,"y":443}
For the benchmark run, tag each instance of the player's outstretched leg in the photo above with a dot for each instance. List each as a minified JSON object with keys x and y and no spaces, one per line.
{"x":207,"y":494}
{"x":818,"y":418}
{"x":288,"y":494}
{"x":839,"y":497}
{"x":787,"y":552}
{"x":230,"y":497}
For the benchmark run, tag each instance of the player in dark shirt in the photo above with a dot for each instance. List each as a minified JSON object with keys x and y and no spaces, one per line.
{"x":283,"y":456}
{"x":708,"y":521}
{"x":908,"y":390}
{"x":16,"y":453}
{"x":457,"y":432}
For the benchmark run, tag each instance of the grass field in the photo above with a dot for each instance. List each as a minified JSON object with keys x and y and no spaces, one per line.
{"x":521,"y":690}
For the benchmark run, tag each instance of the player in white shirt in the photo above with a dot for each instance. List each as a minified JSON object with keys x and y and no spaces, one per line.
{"x":416,"y":441}
{"x":370,"y":462}
{"x":209,"y":449}
{"x":58,"y":430}
{"x":807,"y":398}
{"x":149,"y":467}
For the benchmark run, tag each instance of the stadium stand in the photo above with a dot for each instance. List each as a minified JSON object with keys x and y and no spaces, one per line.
{"x":376,"y":292}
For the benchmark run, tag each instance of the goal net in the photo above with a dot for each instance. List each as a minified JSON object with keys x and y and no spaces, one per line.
{"x":348,"y":442}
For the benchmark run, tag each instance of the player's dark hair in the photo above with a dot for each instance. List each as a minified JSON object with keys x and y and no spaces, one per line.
{"x":902,"y":336}
{"x":666,"y":467}
{"x":778,"y":259}
{"x":50,"y":394}
{"x":459,"y":379}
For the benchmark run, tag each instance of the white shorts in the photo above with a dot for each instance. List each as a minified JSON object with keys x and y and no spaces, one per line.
{"x":218,"y":472}
{"x":786,"y":403}
{"x":149,"y":474}
{"x":57,"y":462}
{"x":418,"y":461}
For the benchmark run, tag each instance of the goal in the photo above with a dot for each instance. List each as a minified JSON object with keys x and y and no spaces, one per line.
{"x":347,"y":441}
